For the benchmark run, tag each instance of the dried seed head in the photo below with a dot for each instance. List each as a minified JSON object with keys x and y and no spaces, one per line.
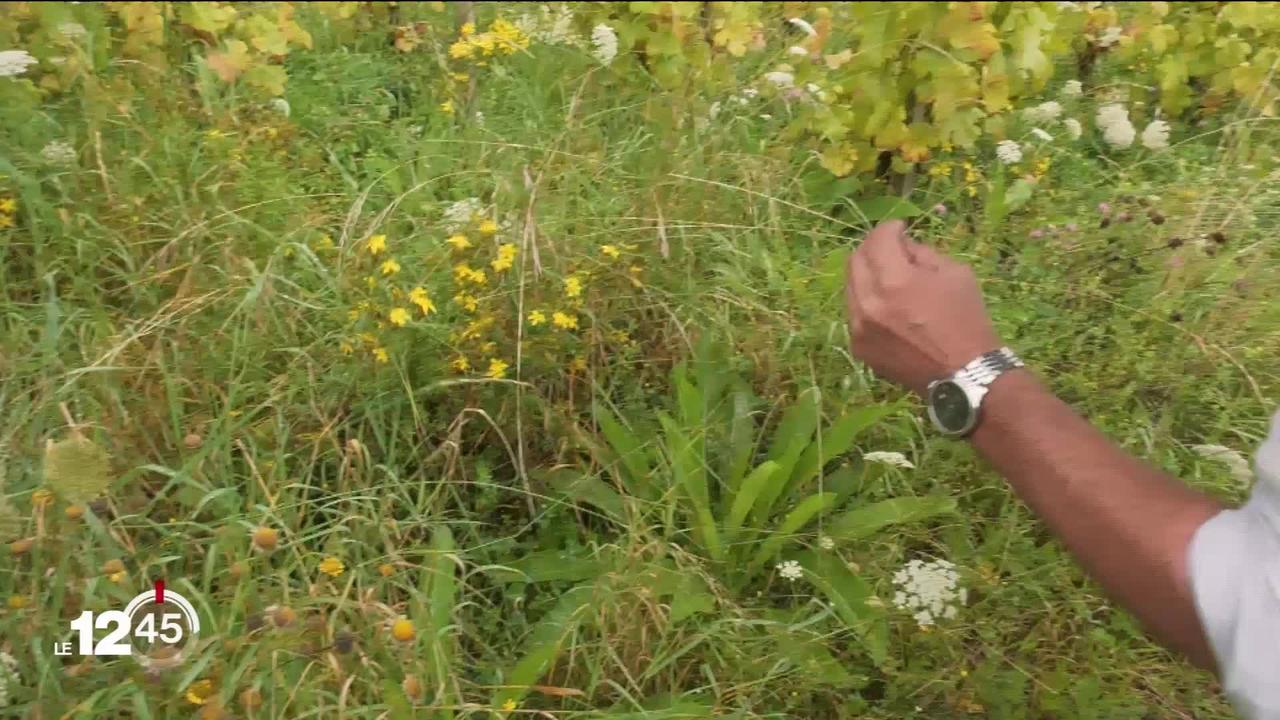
{"x":1175,"y":242}
{"x":192,"y":441}
{"x":1155,"y":217}
{"x":74,"y":512}
{"x":254,"y":621}
{"x":284,"y":616}
{"x":1175,"y":316}
{"x":265,"y":539}
{"x":344,"y":642}
{"x":22,"y":547}
{"x":100,"y":507}
{"x":1105,"y":222}
{"x":402,"y":630}
{"x":412,"y":687}
{"x":250,"y":699}
{"x":112,"y":566}
{"x":1218,"y":237}
{"x":238,"y":569}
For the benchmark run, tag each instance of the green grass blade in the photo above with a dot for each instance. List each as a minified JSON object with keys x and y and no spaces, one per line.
{"x":691,"y":477}
{"x":631,"y":455}
{"x":806,"y":511}
{"x":865,"y":521}
{"x":544,"y":645}
{"x":751,"y":488}
{"x":836,"y":441}
{"x":848,"y":595}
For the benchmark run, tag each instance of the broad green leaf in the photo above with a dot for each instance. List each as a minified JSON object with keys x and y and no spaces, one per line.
{"x":867,"y":520}
{"x":746,"y":497}
{"x":690,"y":475}
{"x":742,"y":441}
{"x":398,"y":707}
{"x":848,"y":595}
{"x":76,"y":469}
{"x":632,"y":457}
{"x":591,"y":490}
{"x":548,"y":566}
{"x":887,"y":208}
{"x":836,"y":441}
{"x":268,"y":78}
{"x":806,"y":511}
{"x":545,"y":644}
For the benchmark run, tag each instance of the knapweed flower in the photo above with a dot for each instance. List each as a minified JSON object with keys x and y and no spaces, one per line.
{"x":459,"y":242}
{"x":15,"y":62}
{"x":610,"y":251}
{"x":1008,"y":152}
{"x":1072,"y":88}
{"x":1074,"y":128}
{"x":418,"y":296}
{"x":390,"y":267}
{"x":506,"y":257}
{"x":572,"y":286}
{"x":929,"y":590}
{"x":1044,"y":112}
{"x":604,"y":44}
{"x":896,"y":459}
{"x":332,"y":566}
{"x":790,"y":570}
{"x":376,"y":244}
{"x":58,"y":152}
{"x":1113,"y":119}
{"x":497,"y":369}
{"x":564,"y":321}
{"x":1156,"y":135}
{"x":398,"y":317}
{"x":536,"y":318}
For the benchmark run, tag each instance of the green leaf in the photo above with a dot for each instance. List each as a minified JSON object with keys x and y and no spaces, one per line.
{"x":889,"y":207}
{"x":836,"y":441}
{"x":848,"y":595}
{"x":633,"y":459}
{"x":548,"y":566}
{"x":1018,"y":194}
{"x":807,"y":510}
{"x":745,"y":499}
{"x":690,"y":475}
{"x":544,"y":644}
{"x":865,"y":521}
{"x":440,"y":587}
{"x":398,"y":707}
{"x":268,"y":78}
{"x":742,"y":441}
{"x":591,"y":490}
{"x":76,"y":469}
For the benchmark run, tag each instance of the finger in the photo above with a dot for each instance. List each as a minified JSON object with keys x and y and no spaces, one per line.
{"x":884,"y":250}
{"x":924,"y":256}
{"x":859,"y":286}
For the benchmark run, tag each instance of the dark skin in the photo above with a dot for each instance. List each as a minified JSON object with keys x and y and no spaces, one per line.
{"x":916,"y":315}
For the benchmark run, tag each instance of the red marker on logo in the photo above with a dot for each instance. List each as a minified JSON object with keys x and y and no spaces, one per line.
{"x":159,"y":592}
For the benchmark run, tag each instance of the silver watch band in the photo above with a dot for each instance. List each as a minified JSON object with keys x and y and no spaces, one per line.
{"x":985,"y":368}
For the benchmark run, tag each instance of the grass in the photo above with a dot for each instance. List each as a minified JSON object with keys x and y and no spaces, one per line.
{"x":170,"y":296}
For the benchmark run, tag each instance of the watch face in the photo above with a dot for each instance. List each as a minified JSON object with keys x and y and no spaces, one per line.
{"x":949,"y":407}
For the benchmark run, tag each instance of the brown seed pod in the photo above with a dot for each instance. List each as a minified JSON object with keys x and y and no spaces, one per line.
{"x":250,"y":699}
{"x":284,"y":616}
{"x":73,"y":512}
{"x":1175,"y":242}
{"x":1155,"y":217}
{"x":22,"y":547}
{"x":254,"y":621}
{"x":1218,"y":237}
{"x":265,"y":539}
{"x":344,"y":642}
{"x":412,"y":687}
{"x":193,"y":441}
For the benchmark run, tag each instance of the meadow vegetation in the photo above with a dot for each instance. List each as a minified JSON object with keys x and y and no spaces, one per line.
{"x":481,"y":360}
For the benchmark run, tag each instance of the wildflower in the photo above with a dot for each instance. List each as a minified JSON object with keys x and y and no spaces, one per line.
{"x":280,"y":105}
{"x":509,"y":704}
{"x":940,"y":210}
{"x":563,"y":321}
{"x":1041,"y":135}
{"x":460,"y":213}
{"x":72,"y":31}
{"x":332,"y":566}
{"x":506,"y":257}
{"x":386,"y":570}
{"x":467,"y":301}
{"x":1110,"y":36}
{"x":1008,"y":152}
{"x":446,"y":107}
{"x":376,"y":244}
{"x":572,"y":286}
{"x":487,"y":227}
{"x":398,"y":317}
{"x":6,"y":221}
{"x":390,"y":267}
{"x":380,"y":355}
{"x":826,"y":542}
{"x":200,"y":692}
{"x":346,"y":348}
{"x":1072,"y":88}
{"x":265,"y":539}
{"x":578,"y":364}
{"x":460,"y":364}
{"x":536,"y":318}
{"x":797,"y":51}
{"x":15,"y":62}
{"x":929,"y":590}
{"x":402,"y":630}
{"x":1074,"y":129}
{"x":8,"y":675}
{"x":459,"y":242}
{"x":790,"y":570}
{"x":497,"y":369}
{"x":1116,"y":128}
{"x":1156,"y":135}
{"x":804,"y":26}
{"x":58,"y":152}
{"x":1235,"y":462}
{"x":419,"y":297}
{"x":1044,"y":112}
{"x":41,"y":498}
{"x":604,"y":44}
{"x":610,"y":251}
{"x":896,"y":459}
{"x":780,"y":79}
{"x":8,"y":205}
{"x":74,"y":512}
{"x":412,"y":687}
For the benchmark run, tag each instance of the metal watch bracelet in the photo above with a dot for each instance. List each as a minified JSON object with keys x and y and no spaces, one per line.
{"x":985,"y":368}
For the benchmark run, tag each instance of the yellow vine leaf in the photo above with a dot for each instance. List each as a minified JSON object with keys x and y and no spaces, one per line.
{"x":229,"y":64}
{"x":76,"y":469}
{"x":266,"y":36}
{"x":268,"y":78}
{"x":208,"y":17}
{"x":839,"y":159}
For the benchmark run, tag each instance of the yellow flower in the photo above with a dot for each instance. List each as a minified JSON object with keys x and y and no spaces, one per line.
{"x":578,"y":364}
{"x":446,"y":107}
{"x":506,"y":257}
{"x":563,"y":321}
{"x":611,"y":251}
{"x":467,"y":29}
{"x":41,"y":498}
{"x":324,"y":244}
{"x":18,"y":602}
{"x":572,"y":286}
{"x":200,"y":692}
{"x":390,"y":267}
{"x":497,"y":369}
{"x":467,"y":301}
{"x":635,"y":271}
{"x":398,"y":316}
{"x":478,"y":277}
{"x":376,"y":244}
{"x":537,"y":317}
{"x":380,"y":354}
{"x":370,"y":281}
{"x":332,"y":566}
{"x":7,"y":205}
{"x":509,"y":705}
{"x":419,"y":297}
{"x":488,"y":227}
{"x":402,"y":629}
{"x":461,"y":50}
{"x":460,"y":77}
{"x":386,"y":570}
{"x":460,"y":364}
{"x":6,"y":221}
{"x":459,"y":242}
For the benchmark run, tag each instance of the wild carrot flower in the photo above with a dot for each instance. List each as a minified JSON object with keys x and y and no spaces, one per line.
{"x":604,"y":43}
{"x":790,"y":570}
{"x":930,"y":590}
{"x":1156,"y":135}
{"x":1008,"y":152}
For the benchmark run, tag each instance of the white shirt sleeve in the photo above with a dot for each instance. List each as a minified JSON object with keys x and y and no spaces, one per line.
{"x":1234,"y":563}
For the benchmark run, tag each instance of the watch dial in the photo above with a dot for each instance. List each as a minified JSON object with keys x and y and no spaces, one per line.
{"x":950,"y":406}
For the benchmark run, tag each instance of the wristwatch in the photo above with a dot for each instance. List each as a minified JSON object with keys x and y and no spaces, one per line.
{"x":953,"y":402}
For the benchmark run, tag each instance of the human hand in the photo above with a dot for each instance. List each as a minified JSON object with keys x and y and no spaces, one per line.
{"x":915,"y":315}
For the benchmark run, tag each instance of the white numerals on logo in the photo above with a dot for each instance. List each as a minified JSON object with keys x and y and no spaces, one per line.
{"x":109,"y":645}
{"x":170,"y":631}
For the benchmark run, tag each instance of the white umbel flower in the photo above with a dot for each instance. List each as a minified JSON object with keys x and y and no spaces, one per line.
{"x":460,"y":213}
{"x":58,"y":152}
{"x":1041,"y":135}
{"x":280,"y":105}
{"x":781,"y":78}
{"x":791,"y":570}
{"x":929,"y":590}
{"x":804,"y":26}
{"x":72,"y":31}
{"x":797,"y":51}
{"x":1113,"y":118}
{"x":1074,"y":128}
{"x":1008,"y":152}
{"x":888,"y":457}
{"x":549,"y":27}
{"x":1156,"y":135}
{"x":1044,"y":112}
{"x":15,"y":62}
{"x":1235,"y":462}
{"x":826,"y":542}
{"x":604,"y":44}
{"x":1072,"y":88}
{"x":1110,"y":36}
{"x":8,"y":675}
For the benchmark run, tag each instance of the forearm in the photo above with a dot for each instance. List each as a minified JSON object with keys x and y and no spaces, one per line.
{"x":1128,"y":523}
